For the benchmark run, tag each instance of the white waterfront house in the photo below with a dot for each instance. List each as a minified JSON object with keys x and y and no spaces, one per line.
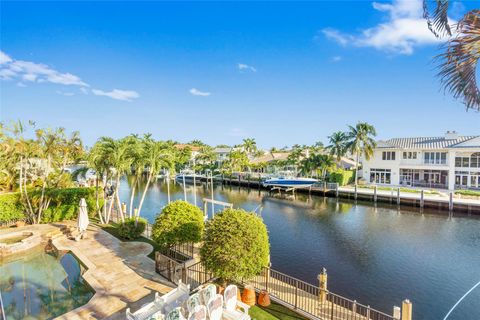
{"x":449,"y":162}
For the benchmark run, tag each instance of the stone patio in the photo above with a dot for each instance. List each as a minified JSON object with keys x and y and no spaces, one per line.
{"x":120,"y":273}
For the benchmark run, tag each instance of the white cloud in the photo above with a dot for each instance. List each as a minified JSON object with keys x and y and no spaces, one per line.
{"x":246,"y":67}
{"x":67,"y":94}
{"x":237,"y":132}
{"x":197,"y":92}
{"x":84,"y":90}
{"x":21,"y":84}
{"x":336,"y":59}
{"x":403,"y":30}
{"x":4,"y":58}
{"x":124,"y":95}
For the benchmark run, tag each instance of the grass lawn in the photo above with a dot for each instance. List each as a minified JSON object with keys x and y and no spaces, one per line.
{"x":273,"y":312}
{"x":408,"y":190}
{"x":113,"y":230}
{"x":472,"y":193}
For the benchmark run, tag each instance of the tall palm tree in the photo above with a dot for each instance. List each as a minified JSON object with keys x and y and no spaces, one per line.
{"x":156,"y":155}
{"x":97,"y":160}
{"x":249,"y":145}
{"x":337,"y":144}
{"x":119,"y":157}
{"x":360,"y":142}
{"x":458,"y":63}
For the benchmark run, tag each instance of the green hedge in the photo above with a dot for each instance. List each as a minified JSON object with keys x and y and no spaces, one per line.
{"x":342,"y":177}
{"x":473,"y":193}
{"x":10,"y":207}
{"x":65,"y":203}
{"x":131,"y":229}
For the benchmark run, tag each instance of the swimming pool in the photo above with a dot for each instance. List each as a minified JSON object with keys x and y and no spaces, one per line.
{"x":37,"y":285}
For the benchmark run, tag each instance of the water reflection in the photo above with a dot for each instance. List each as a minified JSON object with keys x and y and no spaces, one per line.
{"x":378,"y":255}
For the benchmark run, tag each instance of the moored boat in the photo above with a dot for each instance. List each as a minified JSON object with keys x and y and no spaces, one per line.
{"x":289,"y":182}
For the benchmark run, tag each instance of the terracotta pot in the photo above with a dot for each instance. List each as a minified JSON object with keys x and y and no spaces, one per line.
{"x":264,"y":298}
{"x":248,"y":295}
{"x":20,"y":224}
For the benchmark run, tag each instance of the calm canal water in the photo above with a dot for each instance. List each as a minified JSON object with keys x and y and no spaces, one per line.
{"x":376,"y":255}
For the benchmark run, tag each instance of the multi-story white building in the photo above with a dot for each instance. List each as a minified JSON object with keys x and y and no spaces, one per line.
{"x":448,"y":162}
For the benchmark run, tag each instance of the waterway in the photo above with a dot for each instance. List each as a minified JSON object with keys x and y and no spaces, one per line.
{"x":378,"y":255}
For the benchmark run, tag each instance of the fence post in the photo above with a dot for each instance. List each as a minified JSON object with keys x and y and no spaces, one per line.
{"x":422,"y":198}
{"x":406,"y":310}
{"x":356,"y":191}
{"x":267,"y":276}
{"x":296,"y":294}
{"x":396,"y":313}
{"x":322,"y":278}
{"x":398,"y":196}
{"x":354,"y":307}
{"x":336,"y":189}
{"x":368,"y":312}
{"x":375,"y":194}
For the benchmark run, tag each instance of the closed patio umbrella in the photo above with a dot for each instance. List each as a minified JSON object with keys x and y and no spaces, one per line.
{"x":82,"y":222}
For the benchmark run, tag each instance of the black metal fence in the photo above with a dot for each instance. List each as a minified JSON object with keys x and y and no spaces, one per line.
{"x":311,"y":300}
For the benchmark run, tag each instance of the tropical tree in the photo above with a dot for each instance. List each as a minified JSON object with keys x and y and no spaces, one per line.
{"x":458,"y":63}
{"x":249,"y":145}
{"x":118,"y":156}
{"x":97,"y":160}
{"x":360,"y":142}
{"x":236,"y":161}
{"x":156,"y":156}
{"x":317,"y":164}
{"x":337,"y":144}
{"x":205,"y":159}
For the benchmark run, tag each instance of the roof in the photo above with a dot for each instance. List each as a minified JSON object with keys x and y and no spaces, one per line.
{"x":222,"y":150}
{"x":424,"y":142}
{"x":269,"y":156}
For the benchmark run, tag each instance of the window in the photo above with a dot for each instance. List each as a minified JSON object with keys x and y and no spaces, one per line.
{"x":409,"y":155}
{"x":475,"y":160}
{"x":465,"y":162}
{"x":388,"y":155}
{"x":458,"y":162}
{"x":382,"y":176}
{"x":435,"y":158}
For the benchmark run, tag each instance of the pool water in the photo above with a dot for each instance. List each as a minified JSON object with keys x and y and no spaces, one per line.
{"x":41,"y":286}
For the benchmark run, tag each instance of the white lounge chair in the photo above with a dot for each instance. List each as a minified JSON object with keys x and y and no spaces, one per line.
{"x":193,"y":302}
{"x":175,"y":298}
{"x":215,"y":307}
{"x":175,"y":314}
{"x":207,"y":293}
{"x":234,"y":308}
{"x":199,"y":313}
{"x":152,"y":310}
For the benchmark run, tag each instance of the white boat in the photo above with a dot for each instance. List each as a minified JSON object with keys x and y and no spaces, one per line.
{"x":289,"y":182}
{"x":189,"y":176}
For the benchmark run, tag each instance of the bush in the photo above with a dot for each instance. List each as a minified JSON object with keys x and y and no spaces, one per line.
{"x":65,"y":203}
{"x":179,"y":222}
{"x":235,"y":245}
{"x":132,"y":228}
{"x":472,"y":193}
{"x":341,"y":176}
{"x":10,"y":207}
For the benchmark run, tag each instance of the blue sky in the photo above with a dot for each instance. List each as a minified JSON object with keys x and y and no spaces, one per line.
{"x":283,"y":72}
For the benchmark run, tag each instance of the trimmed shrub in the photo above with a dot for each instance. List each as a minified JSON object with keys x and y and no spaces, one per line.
{"x":179,"y":222}
{"x":65,"y":203}
{"x":341,"y":176}
{"x":10,"y":207}
{"x":235,"y":245}
{"x":132,"y":228}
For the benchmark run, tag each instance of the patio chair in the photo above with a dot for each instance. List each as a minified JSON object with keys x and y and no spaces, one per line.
{"x":207,"y":293}
{"x":193,"y":302}
{"x":215,"y":307}
{"x":175,"y":314}
{"x":234,"y":309}
{"x":149,"y":311}
{"x":199,"y":313}
{"x":175,"y":298}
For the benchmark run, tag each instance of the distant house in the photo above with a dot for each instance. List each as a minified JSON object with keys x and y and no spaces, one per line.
{"x":222,"y":154}
{"x":449,"y":162}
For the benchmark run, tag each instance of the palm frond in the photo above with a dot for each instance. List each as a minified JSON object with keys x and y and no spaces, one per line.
{"x":438,"y":22}
{"x":458,"y":64}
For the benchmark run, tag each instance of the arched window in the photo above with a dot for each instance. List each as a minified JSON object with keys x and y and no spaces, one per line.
{"x":475,"y":160}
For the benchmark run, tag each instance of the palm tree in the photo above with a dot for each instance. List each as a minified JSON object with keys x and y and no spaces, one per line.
{"x":97,"y":160}
{"x":119,"y":157}
{"x":360,"y":142}
{"x":337,"y":146}
{"x":458,"y":63}
{"x":156,"y":156}
{"x":250,"y":145}
{"x":138,"y":165}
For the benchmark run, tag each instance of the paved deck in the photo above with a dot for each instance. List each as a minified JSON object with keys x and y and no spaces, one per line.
{"x":120,"y":273}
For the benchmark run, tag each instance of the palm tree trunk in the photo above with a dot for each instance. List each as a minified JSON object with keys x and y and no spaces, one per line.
{"x":96,"y":199}
{"x":130,"y":209}
{"x":117,"y":196}
{"x":144,"y":193}
{"x":356,"y":167}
